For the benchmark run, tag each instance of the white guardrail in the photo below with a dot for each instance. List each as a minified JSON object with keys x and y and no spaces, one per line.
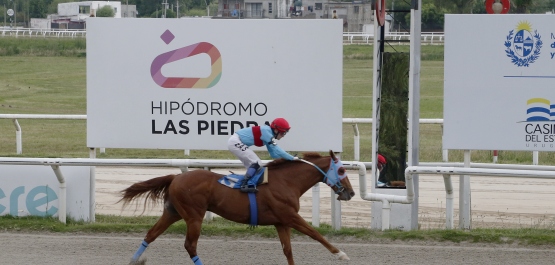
{"x":36,"y":32}
{"x":348,"y":37}
{"x":367,"y":38}
{"x":442,"y":168}
{"x":353,"y":121}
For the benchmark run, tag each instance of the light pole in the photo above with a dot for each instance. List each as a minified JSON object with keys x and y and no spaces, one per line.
{"x":207,"y":8}
{"x":165,"y":4}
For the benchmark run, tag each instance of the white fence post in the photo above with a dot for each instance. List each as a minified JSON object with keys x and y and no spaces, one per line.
{"x":464,"y":196}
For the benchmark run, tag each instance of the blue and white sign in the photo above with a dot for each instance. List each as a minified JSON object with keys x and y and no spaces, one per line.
{"x":499,"y":82}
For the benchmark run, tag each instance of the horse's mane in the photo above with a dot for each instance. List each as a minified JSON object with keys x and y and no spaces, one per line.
{"x":279,"y":162}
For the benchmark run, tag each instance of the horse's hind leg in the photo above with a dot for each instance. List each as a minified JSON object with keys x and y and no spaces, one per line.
{"x":284,"y":233}
{"x":191,"y":240}
{"x":167,"y":219}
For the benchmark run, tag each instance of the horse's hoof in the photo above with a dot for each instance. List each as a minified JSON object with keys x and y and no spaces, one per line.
{"x":138,"y":262}
{"x":341,"y":255}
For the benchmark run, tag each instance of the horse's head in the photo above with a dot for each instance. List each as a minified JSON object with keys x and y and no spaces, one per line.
{"x":336,"y":177}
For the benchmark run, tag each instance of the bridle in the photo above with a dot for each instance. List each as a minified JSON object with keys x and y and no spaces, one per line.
{"x":332,"y":177}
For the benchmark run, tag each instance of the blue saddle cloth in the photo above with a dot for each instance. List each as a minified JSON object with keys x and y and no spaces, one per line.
{"x":234,"y":181}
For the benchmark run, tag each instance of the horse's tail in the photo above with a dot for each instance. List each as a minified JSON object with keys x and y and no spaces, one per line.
{"x":153,"y":189}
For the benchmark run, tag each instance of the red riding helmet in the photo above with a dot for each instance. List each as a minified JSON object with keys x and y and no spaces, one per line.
{"x":381,"y":160}
{"x":280,"y":124}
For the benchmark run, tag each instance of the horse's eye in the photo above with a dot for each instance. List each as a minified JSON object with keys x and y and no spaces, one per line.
{"x":341,"y":171}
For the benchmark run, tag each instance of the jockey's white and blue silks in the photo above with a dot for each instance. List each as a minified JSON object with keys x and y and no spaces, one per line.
{"x":241,"y":140}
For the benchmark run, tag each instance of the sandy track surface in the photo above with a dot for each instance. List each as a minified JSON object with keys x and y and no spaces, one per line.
{"x":63,"y":249}
{"x":497,"y":202}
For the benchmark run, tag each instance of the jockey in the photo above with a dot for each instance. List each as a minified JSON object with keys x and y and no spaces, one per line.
{"x":263,"y":135}
{"x":381,"y":169}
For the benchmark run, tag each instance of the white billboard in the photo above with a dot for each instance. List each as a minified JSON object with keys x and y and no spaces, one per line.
{"x":34,"y":190}
{"x":499,"y":82}
{"x":190,"y":83}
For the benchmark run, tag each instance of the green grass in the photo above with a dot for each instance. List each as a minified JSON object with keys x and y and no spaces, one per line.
{"x":26,"y":46}
{"x":220,"y":227}
{"x":48,"y":76}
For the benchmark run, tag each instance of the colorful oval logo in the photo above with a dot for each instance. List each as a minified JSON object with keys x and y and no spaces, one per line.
{"x":182,"y":53}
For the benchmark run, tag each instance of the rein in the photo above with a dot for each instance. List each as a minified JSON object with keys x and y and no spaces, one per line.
{"x":337,"y":183}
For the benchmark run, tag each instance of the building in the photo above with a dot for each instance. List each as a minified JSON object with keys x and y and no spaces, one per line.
{"x":74,"y":14}
{"x":356,"y":15}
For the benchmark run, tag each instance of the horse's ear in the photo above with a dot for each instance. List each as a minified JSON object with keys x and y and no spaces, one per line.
{"x":332,"y":154}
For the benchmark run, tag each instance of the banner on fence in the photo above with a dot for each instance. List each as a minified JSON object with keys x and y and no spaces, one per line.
{"x":34,"y":190}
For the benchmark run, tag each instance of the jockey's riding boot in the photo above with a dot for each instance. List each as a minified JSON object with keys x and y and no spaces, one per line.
{"x":245,"y":187}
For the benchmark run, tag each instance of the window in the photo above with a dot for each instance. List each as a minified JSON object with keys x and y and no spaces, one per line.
{"x":84,"y":10}
{"x":318,"y":6}
{"x":270,"y":8}
{"x":356,"y":9}
{"x":256,"y":9}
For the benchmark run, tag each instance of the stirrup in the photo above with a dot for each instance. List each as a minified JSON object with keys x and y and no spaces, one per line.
{"x":249,"y":189}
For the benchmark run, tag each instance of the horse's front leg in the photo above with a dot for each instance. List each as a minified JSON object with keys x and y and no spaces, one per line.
{"x":302,"y":226}
{"x":284,"y":233}
{"x":191,"y":240}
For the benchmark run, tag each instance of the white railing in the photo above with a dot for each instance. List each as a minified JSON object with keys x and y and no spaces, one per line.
{"x":19,"y":138}
{"x":440,"y":168}
{"x":183,"y":164}
{"x":37,"y":32}
{"x":348,"y":37}
{"x":353,"y":121}
{"x":367,"y":38}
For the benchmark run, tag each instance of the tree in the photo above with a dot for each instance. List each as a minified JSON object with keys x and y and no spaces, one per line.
{"x":147,"y":7}
{"x":160,"y":13}
{"x":463,"y":6}
{"x":37,"y":9}
{"x":432,"y":17}
{"x":105,"y":11}
{"x":521,"y":6}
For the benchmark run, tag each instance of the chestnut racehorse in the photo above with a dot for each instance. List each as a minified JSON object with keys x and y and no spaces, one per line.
{"x":189,"y":195}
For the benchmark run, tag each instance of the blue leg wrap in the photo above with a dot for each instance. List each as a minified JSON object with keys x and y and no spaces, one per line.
{"x":140,"y":251}
{"x":251,"y":171}
{"x":196,"y":260}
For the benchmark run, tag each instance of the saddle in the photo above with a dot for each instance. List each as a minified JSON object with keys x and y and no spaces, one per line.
{"x":234,"y":180}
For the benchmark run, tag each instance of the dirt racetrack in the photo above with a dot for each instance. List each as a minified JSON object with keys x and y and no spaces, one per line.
{"x":61,"y":249}
{"x":497,"y":202}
